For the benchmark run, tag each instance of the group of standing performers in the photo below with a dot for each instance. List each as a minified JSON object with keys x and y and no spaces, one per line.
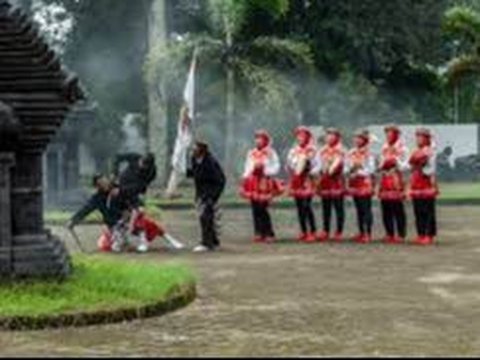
{"x":333,"y":173}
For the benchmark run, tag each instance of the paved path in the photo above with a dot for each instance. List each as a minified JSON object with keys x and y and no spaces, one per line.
{"x":302,"y":299}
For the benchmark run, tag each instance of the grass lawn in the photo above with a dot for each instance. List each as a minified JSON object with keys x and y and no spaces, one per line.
{"x":461,"y":191}
{"x":99,"y":283}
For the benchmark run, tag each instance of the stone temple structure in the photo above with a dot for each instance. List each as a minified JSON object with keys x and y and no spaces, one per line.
{"x":36,"y":94}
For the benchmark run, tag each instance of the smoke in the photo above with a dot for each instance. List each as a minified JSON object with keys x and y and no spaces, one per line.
{"x":135,"y":141}
{"x":54,"y":21}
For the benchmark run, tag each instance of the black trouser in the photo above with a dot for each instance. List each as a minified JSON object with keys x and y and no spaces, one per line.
{"x":306,"y":216}
{"x":425,"y":217}
{"x":364,"y":214}
{"x":338,"y":205}
{"x":208,"y":210}
{"x":261,"y":219}
{"x":394,"y":217}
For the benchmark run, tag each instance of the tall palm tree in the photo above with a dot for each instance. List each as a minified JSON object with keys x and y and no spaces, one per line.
{"x":462,"y":23}
{"x":254,"y":65}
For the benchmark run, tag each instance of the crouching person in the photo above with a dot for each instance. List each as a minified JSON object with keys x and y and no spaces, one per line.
{"x":210,"y":182}
{"x":133,"y":183}
{"x":423,"y":187}
{"x":120,"y":219}
{"x":106,"y":201}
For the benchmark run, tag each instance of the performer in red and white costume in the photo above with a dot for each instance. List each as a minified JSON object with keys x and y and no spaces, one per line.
{"x":360,"y":170}
{"x":423,"y":187}
{"x":393,"y":164}
{"x":259,"y":185}
{"x":302,"y":184}
{"x":330,"y":161}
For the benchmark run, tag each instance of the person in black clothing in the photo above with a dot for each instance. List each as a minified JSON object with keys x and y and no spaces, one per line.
{"x":137,"y":177}
{"x":133,"y":182}
{"x":210,"y":182}
{"x":111,"y":205}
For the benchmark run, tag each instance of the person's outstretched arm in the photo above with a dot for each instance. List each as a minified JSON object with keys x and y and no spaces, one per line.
{"x":81,"y":214}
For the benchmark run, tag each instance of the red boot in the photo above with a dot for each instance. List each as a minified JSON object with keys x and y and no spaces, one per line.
{"x":392,"y":240}
{"x":357,"y":238}
{"x":338,"y":237}
{"x":302,"y":237}
{"x":423,"y":241}
{"x":269,"y":240}
{"x":323,"y":236}
{"x":258,"y":239}
{"x":365,"y":239}
{"x":310,"y":238}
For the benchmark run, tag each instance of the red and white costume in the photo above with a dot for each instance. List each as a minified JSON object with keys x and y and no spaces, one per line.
{"x":143,"y":226}
{"x":393,"y":163}
{"x":300,"y":165}
{"x":423,"y":187}
{"x":262,"y":164}
{"x":423,"y":183}
{"x":360,"y":167}
{"x":330,"y":164}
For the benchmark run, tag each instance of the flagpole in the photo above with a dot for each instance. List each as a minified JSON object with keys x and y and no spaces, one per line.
{"x":185,"y":133}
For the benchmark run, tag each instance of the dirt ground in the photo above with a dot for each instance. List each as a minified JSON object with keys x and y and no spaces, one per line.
{"x":295,"y":299}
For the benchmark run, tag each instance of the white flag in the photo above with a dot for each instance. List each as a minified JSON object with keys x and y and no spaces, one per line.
{"x":184,"y":132}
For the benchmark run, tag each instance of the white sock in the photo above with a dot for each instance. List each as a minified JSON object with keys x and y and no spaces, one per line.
{"x":142,"y":243}
{"x":173,"y":242}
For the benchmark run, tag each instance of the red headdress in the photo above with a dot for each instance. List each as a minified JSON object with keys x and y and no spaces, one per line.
{"x":305,"y":130}
{"x":265,"y":136}
{"x":364,"y":135}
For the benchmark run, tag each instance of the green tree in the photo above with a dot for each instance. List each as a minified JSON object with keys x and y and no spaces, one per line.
{"x":252,"y":69}
{"x":462,"y":25}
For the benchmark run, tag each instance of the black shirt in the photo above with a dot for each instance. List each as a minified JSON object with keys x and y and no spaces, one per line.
{"x":209,"y":177}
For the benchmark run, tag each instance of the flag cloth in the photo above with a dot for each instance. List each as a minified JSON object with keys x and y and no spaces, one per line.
{"x":184,"y":132}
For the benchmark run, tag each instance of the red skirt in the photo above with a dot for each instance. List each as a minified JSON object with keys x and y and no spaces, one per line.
{"x":301,"y":187}
{"x":331,"y":187}
{"x":261,"y":188}
{"x":152,"y":229}
{"x":360,"y":186}
{"x":105,"y":240}
{"x":392,"y":186}
{"x":422,"y":186}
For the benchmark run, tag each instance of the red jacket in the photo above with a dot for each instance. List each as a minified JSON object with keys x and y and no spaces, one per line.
{"x":392,"y":165}
{"x":423,"y":184}
{"x":360,"y":167}
{"x":330,"y":163}
{"x":299,"y":163}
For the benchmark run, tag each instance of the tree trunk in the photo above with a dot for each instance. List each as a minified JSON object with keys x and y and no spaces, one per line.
{"x":229,"y":161}
{"x":157,"y":101}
